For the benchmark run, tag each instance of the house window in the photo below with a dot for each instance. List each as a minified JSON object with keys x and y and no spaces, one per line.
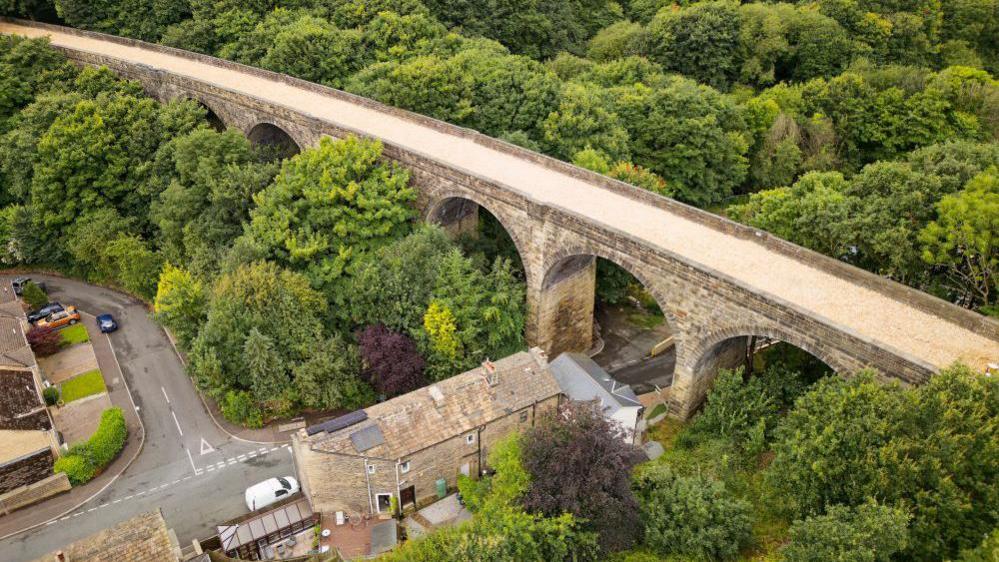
{"x":371,"y":469}
{"x":523,"y":416}
{"x":404,"y":467}
{"x":470,"y":438}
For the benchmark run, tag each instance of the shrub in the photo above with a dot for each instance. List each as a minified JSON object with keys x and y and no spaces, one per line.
{"x":108,"y":440}
{"x":735,"y":408}
{"x":691,"y":516}
{"x":51,"y":395}
{"x":77,"y":468}
{"x":34,"y":295}
{"x":82,"y":462}
{"x":870,"y":532}
{"x":238,"y":407}
{"x":44,"y":341}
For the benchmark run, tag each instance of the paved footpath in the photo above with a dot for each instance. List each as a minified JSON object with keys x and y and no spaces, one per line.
{"x":188,"y":467}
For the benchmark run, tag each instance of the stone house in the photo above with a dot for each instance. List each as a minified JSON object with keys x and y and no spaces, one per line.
{"x":414,"y":446}
{"x":143,"y":538}
{"x":28,"y":442}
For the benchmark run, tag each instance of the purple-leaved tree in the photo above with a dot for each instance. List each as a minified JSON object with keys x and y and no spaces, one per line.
{"x":579,"y":465}
{"x":392,"y":363}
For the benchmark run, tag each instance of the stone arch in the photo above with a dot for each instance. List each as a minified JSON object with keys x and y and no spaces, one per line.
{"x":448,"y":202}
{"x":268,"y":133}
{"x":563,"y":263}
{"x":697,"y":353}
{"x":214,"y":118}
{"x":692,"y":377}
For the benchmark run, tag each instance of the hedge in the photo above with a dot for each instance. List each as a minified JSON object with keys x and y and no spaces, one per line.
{"x":85,"y":460}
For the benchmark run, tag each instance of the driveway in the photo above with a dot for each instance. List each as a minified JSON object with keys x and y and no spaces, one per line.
{"x":188,"y":467}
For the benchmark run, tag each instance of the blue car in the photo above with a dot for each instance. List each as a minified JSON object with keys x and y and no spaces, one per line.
{"x":106,"y":323}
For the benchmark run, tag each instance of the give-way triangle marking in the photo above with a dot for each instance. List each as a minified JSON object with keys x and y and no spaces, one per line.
{"x":206,"y":447}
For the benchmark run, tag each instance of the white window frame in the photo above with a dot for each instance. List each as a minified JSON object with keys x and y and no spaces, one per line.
{"x":371,"y":469}
{"x":404,"y":467}
{"x":470,"y":439}
{"x":378,"y":506}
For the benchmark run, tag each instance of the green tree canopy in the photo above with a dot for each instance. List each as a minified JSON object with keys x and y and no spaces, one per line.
{"x":327,"y":208}
{"x":282,"y":312}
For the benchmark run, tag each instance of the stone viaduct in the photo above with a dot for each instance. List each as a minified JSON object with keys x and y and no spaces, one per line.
{"x":718,"y":282}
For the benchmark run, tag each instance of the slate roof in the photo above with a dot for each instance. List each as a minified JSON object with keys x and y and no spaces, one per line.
{"x":454,"y":406}
{"x":581,"y":379}
{"x":20,"y":407}
{"x":14,"y":350}
{"x":143,"y":538}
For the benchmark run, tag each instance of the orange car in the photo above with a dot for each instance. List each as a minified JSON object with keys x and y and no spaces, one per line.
{"x":62,"y":318}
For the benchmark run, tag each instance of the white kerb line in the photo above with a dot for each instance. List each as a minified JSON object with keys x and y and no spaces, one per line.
{"x":165,"y":395}
{"x":179,"y":430}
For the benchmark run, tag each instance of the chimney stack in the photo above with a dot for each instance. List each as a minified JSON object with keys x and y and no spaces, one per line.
{"x":492,"y":377}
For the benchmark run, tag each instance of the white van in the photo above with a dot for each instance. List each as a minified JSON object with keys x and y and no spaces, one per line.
{"x":270,"y":491}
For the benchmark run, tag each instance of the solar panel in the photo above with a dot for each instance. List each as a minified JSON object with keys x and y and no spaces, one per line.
{"x":364,"y":439}
{"x":336,"y":424}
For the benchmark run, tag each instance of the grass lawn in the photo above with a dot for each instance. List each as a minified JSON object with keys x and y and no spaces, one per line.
{"x":74,"y":334}
{"x":81,"y":386}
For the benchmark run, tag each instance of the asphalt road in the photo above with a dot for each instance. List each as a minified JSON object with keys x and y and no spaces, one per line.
{"x":643,"y":375}
{"x":189,"y":468}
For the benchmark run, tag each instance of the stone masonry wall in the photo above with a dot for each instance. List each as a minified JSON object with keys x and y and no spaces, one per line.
{"x":342,"y":482}
{"x":26,"y":470}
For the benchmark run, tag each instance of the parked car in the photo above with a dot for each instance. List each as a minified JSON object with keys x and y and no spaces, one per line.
{"x":269,"y":491}
{"x":106,"y":323}
{"x":44,"y":311}
{"x":65,"y":317}
{"x":19,"y":282}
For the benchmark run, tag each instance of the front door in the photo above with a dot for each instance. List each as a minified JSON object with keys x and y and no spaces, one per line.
{"x":384,"y":502}
{"x":408,"y":496}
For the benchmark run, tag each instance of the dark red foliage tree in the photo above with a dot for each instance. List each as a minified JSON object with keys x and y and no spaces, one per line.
{"x":392,"y":363}
{"x":579,"y":465}
{"x":44,"y":341}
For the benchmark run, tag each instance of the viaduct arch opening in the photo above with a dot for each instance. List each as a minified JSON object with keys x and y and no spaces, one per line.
{"x":274,"y":138}
{"x":756,"y":352}
{"x":480,"y":232}
{"x":214,"y":121}
{"x":590,"y":303}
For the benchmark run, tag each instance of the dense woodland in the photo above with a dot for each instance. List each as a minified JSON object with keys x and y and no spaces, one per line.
{"x":864,"y":130}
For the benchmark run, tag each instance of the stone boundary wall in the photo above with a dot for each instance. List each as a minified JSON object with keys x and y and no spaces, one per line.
{"x":26,"y":470}
{"x":33,"y":493}
{"x":923,"y":301}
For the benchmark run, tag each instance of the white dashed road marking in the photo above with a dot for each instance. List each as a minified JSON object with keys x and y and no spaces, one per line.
{"x":197,"y":472}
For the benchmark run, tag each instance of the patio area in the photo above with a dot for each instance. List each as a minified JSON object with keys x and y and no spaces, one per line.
{"x":447,"y":511}
{"x":79,"y":419}
{"x":359,"y":539}
{"x":68,"y":363}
